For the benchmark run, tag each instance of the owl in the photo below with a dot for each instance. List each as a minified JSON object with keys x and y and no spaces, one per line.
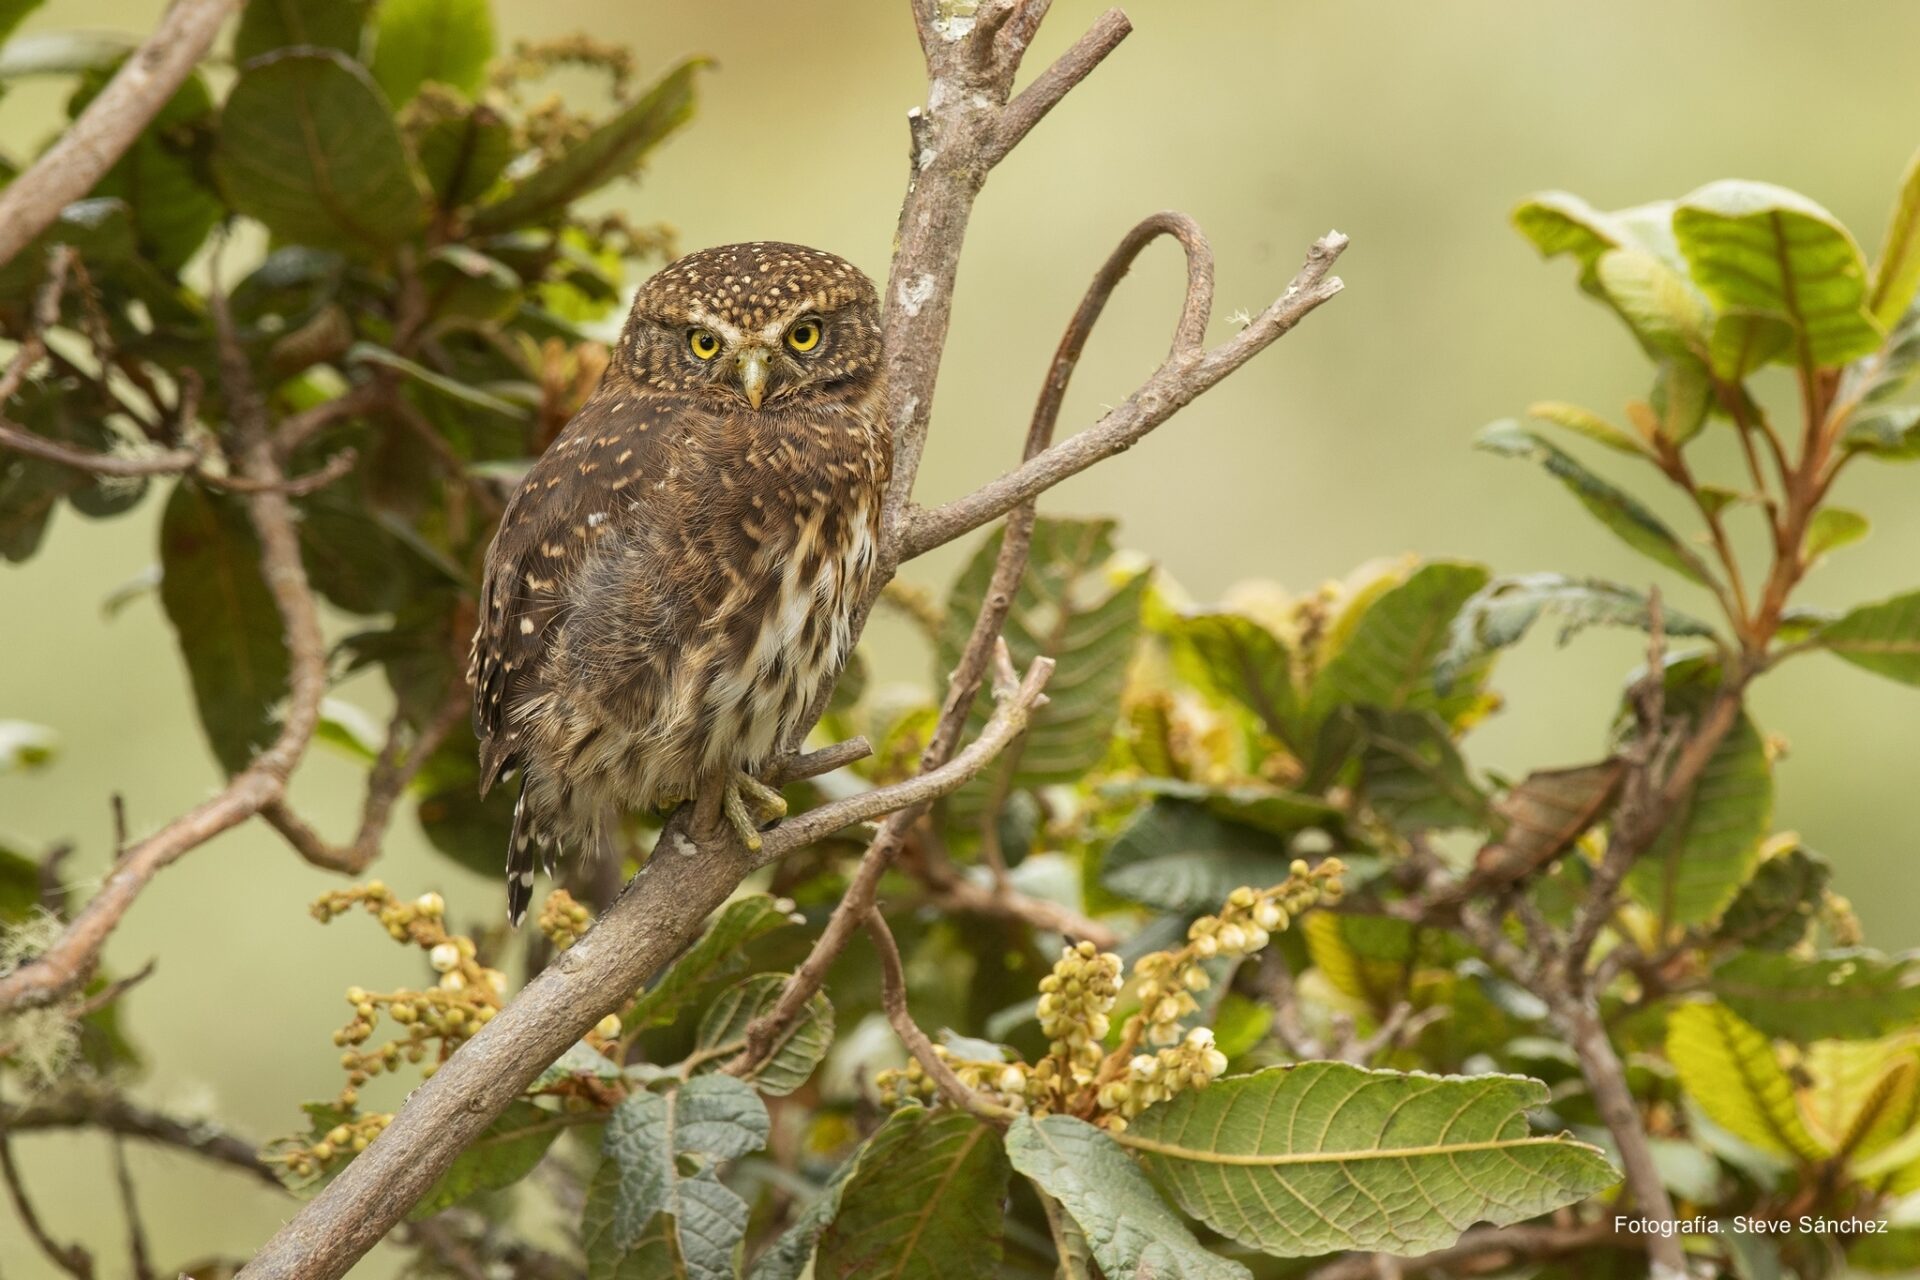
{"x":675,"y":578}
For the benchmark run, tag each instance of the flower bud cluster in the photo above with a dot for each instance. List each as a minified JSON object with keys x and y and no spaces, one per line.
{"x":307,"y":1160}
{"x":1193,"y":1063}
{"x":465,"y":998}
{"x":1003,"y":1083}
{"x":564,"y":920}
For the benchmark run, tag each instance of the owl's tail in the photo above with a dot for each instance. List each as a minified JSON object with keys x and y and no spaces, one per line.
{"x":525,"y":845}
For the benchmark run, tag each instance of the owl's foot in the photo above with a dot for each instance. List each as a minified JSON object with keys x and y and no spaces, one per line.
{"x":748,"y":804}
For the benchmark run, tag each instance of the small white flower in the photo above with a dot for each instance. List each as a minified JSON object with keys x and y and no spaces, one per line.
{"x":1143,"y":1066}
{"x":431,"y":904}
{"x":452,"y":982}
{"x":444,"y":958}
{"x":1201,"y":1037}
{"x":1233,"y":939}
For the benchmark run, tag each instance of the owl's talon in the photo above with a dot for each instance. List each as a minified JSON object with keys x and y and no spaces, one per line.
{"x":765,"y":802}
{"x":735,"y":807}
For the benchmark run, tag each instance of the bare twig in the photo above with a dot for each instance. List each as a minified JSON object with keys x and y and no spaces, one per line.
{"x":89,"y":1107}
{"x":296,"y":487}
{"x":70,"y":1258}
{"x":296,"y":429}
{"x":65,"y":964}
{"x":169,"y":462}
{"x":893,"y":1000}
{"x":398,"y":763}
{"x":130,"y":1206}
{"x":953,"y":892}
{"x":68,"y":169}
{"x":1171,"y":388}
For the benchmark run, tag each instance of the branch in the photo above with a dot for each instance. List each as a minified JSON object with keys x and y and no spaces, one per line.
{"x":87,"y":1109}
{"x":169,"y":462}
{"x":1172,"y":387}
{"x":71,"y":957}
{"x":893,"y":999}
{"x":68,"y":169}
{"x":393,"y":771}
{"x":654,"y":919}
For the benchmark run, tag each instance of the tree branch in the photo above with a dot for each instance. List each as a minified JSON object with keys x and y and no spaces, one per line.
{"x":71,"y":957}
{"x":653,"y":920}
{"x":1172,"y":387}
{"x":85,"y":1108}
{"x":393,"y":771}
{"x":893,"y":1000}
{"x":68,"y":169}
{"x":70,"y":1258}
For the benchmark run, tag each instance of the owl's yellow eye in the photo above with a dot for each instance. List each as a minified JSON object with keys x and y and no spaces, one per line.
{"x":703,"y":344}
{"x":804,"y":336}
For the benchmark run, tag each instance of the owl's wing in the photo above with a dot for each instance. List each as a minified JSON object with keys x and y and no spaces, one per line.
{"x":572,"y":496}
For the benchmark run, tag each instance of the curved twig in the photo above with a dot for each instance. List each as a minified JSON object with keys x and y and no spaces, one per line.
{"x":893,"y":1000}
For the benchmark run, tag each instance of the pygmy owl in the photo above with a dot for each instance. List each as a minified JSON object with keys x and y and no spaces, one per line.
{"x":675,"y":579}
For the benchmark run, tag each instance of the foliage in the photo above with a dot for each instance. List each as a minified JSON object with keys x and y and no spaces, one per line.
{"x":1217,"y":1091}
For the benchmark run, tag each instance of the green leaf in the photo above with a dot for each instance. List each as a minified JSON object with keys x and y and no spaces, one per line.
{"x":651,"y":1137}
{"x":1242,"y":663}
{"x":229,"y":630}
{"x":465,"y":155}
{"x":1682,"y":394}
{"x":1070,"y":605}
{"x":924,"y":1199}
{"x":1775,"y":907}
{"x":1884,"y":637}
{"x":581,"y":1061}
{"x":13,"y":12}
{"x":63,"y":53}
{"x":443,"y":41}
{"x":1655,"y":301}
{"x":19,"y":885}
{"x":1374,"y":959}
{"x":1558,"y":223}
{"x":713,"y":962}
{"x":1891,"y":434}
{"x":657,"y":1253}
{"x":505,"y":1152}
{"x":1179,"y":857}
{"x":1728,"y":1068}
{"x":1708,"y":848}
{"x":1129,"y":1227}
{"x":1895,"y":1252}
{"x":1744,"y":341}
{"x":1304,"y":1160}
{"x":787,"y":1258}
{"x":1411,"y":772}
{"x":1629,"y":520}
{"x":267,"y":25}
{"x":372,"y":353}
{"x":1389,"y":656}
{"x":1896,"y":272}
{"x":100,"y":231}
{"x":1543,"y":816}
{"x":308,"y":146}
{"x":1503,"y":611}
{"x":1851,"y":994}
{"x":611,"y":151}
{"x":723,"y":1033}
{"x":1583,"y":422}
{"x":25,"y":747}
{"x":1832,"y":528}
{"x":1760,"y":248}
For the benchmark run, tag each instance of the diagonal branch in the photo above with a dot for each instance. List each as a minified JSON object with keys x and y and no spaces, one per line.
{"x":657,"y":916}
{"x":68,"y":169}
{"x":893,"y":1001}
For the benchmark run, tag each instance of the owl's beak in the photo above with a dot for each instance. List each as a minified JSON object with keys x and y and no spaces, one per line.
{"x":754,"y":370}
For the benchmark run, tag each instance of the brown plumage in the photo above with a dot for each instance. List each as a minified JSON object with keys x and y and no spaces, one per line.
{"x":674,"y":579}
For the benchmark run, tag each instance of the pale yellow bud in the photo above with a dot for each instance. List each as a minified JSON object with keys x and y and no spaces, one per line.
{"x":444,"y":958}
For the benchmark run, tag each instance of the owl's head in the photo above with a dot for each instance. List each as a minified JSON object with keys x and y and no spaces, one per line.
{"x":760,"y":324}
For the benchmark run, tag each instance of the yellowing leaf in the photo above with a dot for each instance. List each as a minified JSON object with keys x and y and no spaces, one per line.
{"x":1729,"y":1068}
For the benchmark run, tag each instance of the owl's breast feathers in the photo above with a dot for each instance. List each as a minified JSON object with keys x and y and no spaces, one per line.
{"x":668,"y":587}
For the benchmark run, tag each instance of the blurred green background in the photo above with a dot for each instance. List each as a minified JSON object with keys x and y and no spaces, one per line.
{"x":1412,"y":128}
